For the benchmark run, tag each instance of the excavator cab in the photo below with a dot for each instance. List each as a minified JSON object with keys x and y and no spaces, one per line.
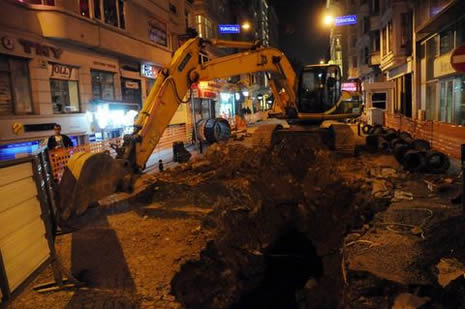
{"x":319,"y":88}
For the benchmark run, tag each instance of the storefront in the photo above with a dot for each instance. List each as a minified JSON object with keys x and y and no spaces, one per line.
{"x":442,"y":88}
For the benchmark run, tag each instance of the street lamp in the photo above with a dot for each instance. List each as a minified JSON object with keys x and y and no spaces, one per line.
{"x":322,"y":61}
{"x":328,"y":20}
{"x":245,"y":26}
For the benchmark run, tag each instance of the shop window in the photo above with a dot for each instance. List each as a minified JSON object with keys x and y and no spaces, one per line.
{"x":431,"y":101}
{"x":452,"y":100}
{"x":131,"y":92}
{"x":103,"y":87}
{"x":65,"y":96}
{"x":446,"y":42}
{"x":149,"y":82}
{"x":15,"y":89}
{"x":158,"y":32}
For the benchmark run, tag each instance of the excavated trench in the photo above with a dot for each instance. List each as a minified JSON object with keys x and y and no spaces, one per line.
{"x":278,"y":220}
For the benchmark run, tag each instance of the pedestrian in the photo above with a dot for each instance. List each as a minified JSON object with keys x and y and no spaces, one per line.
{"x":58,"y":140}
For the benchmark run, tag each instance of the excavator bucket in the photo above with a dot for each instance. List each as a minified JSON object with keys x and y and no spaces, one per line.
{"x":87,"y":178}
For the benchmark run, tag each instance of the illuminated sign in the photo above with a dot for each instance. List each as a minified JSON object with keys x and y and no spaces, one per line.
{"x":225,"y":29}
{"x":352,"y":87}
{"x":149,"y":70}
{"x":345,"y":20}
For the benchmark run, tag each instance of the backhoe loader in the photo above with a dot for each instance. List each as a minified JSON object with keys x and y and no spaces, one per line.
{"x":316,"y":96}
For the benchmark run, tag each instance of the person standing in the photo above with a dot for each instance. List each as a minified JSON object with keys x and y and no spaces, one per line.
{"x":58,"y":140}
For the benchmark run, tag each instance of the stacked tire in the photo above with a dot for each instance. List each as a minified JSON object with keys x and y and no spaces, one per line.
{"x":415,"y":155}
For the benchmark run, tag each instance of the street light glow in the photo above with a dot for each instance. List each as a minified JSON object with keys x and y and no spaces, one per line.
{"x":322,"y":62}
{"x":328,"y":20}
{"x":246,"y":25}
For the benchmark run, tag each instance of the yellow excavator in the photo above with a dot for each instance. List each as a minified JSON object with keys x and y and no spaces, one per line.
{"x":315,"y":96}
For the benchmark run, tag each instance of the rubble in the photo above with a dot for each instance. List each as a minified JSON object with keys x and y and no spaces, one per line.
{"x":277,"y":206}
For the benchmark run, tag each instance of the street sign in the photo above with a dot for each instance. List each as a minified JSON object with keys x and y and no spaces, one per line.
{"x":226,"y":29}
{"x":345,"y":20}
{"x":457,"y":59}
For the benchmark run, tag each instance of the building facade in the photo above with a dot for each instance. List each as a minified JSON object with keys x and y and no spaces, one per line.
{"x":438,"y":91}
{"x":86,"y":64}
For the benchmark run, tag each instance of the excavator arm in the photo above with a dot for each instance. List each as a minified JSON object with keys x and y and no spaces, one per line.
{"x":175,"y":81}
{"x":89,"y":177}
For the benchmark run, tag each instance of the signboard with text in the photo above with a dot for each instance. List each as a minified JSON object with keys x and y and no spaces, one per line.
{"x":64,"y":72}
{"x":345,"y":20}
{"x":227,"y":29}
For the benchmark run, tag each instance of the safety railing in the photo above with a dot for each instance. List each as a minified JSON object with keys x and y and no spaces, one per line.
{"x":59,"y":157}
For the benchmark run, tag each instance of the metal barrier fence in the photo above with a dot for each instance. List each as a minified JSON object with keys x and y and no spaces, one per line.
{"x":59,"y":157}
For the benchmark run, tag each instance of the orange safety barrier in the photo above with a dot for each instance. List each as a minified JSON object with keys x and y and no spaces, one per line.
{"x":59,"y":157}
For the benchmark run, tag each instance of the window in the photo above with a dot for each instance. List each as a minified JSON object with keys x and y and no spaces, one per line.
{"x":390,"y":36}
{"x":452,"y":100}
{"x":432,"y":51}
{"x":158,"y":33}
{"x":431,"y":101}
{"x":65,"y":96}
{"x":406,"y":30}
{"x":43,"y":2}
{"x":446,"y":42}
{"x":173,"y":8}
{"x":84,"y":8}
{"x":375,"y":7}
{"x":204,"y":27}
{"x":102,"y":85}
{"x":130,"y":89}
{"x":15,"y":90}
{"x":384,"y":39}
{"x":112,"y":12}
{"x":376,"y":41}
{"x":366,"y":54}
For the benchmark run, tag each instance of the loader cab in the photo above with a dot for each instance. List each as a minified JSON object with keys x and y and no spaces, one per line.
{"x":319,"y":88}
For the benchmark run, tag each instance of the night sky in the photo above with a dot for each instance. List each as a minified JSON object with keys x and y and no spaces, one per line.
{"x":302,"y":37}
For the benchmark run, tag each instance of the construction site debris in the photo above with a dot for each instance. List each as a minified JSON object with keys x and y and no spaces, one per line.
{"x":449,"y":269}
{"x":409,"y":301}
{"x":401,"y":196}
{"x":415,"y":155}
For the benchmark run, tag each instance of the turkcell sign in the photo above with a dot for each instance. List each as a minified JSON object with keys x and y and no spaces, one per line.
{"x":225,"y":29}
{"x":345,"y":20}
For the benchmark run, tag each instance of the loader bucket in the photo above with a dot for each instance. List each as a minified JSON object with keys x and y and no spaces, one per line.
{"x":87,"y":178}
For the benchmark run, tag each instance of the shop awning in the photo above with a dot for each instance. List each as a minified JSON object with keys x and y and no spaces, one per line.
{"x":452,"y":12}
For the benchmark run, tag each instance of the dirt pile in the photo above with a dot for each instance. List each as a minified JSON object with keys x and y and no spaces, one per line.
{"x":278,"y":217}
